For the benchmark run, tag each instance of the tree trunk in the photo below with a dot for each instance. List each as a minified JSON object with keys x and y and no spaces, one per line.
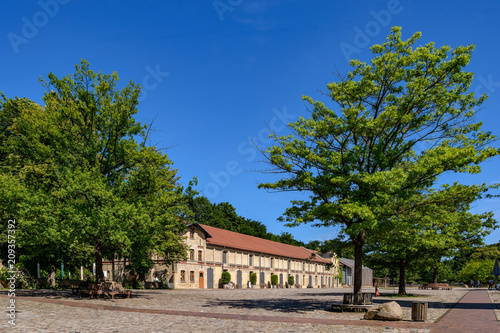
{"x":435,"y":274}
{"x":99,"y":274}
{"x":402,"y":277}
{"x":358,"y":262}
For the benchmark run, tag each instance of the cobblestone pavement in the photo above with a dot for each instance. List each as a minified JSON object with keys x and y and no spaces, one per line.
{"x":276,"y":309}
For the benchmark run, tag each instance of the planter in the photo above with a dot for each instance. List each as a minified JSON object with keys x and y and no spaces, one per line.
{"x":357,"y":299}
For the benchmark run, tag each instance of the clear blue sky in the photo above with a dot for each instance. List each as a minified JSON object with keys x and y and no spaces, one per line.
{"x":217,"y":73}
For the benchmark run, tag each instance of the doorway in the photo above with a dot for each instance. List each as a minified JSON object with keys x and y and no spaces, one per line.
{"x":202,"y":281}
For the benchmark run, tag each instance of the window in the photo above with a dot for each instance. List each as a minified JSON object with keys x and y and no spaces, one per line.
{"x":272,"y":262}
{"x":303,"y":266}
{"x":191,"y":233}
{"x":191,"y":276}
{"x":183,"y":276}
{"x":200,"y":256}
{"x":288,"y":264}
{"x":224,"y":257}
{"x":250,"y":259}
{"x":191,"y":254}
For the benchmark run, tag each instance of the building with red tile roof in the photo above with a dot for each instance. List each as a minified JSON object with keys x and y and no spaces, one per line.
{"x":212,"y":251}
{"x":234,"y":240}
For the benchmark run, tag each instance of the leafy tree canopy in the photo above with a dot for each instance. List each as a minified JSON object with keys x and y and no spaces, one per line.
{"x":80,"y":177}
{"x":398,"y":123}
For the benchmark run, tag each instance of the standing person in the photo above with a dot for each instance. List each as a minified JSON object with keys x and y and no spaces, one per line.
{"x":472,"y":283}
{"x":490,"y":284}
{"x":478,"y":283}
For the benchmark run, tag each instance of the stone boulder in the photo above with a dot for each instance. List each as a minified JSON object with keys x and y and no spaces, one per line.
{"x":385,"y":311}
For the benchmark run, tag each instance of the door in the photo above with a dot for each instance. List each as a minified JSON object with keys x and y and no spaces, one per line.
{"x":202,"y":281}
{"x":239,"y":279}
{"x":210,"y":278}
{"x":281,"y":279}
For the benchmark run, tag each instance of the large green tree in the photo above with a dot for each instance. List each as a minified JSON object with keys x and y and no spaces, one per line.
{"x":430,"y":227}
{"x":82,"y":178}
{"x":399,"y":122}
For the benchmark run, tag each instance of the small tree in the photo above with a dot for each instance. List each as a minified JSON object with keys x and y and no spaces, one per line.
{"x":226,"y":278}
{"x":340,"y":274}
{"x":253,"y":278}
{"x":291,"y":280}
{"x":274,"y":279}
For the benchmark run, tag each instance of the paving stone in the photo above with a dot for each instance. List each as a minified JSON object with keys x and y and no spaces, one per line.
{"x":280,"y":310}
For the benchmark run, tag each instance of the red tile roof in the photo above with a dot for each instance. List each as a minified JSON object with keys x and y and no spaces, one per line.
{"x":254,"y":244}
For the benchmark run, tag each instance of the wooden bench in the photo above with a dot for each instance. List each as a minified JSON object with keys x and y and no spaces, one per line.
{"x":110,"y":289}
{"x":435,"y":286}
{"x":74,"y":285}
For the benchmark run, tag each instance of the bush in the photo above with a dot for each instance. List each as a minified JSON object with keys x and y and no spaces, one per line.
{"x":253,"y":278}
{"x":291,"y":280}
{"x":274,"y":279}
{"x":22,"y":278}
{"x":226,"y":278}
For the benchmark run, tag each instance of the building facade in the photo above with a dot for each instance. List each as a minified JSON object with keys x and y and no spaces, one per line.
{"x":212,"y":251}
{"x":348,"y":273}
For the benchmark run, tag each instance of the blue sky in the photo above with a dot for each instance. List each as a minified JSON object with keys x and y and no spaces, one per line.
{"x":218,"y":73}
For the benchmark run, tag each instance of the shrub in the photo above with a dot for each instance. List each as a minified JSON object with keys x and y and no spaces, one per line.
{"x":22,"y":277}
{"x":274,"y":279}
{"x":291,"y":280}
{"x":253,"y":278}
{"x":226,"y":278}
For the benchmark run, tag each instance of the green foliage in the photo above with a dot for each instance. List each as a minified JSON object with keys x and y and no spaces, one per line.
{"x":399,"y":122}
{"x":432,"y":225}
{"x":486,"y":252}
{"x":342,"y":247}
{"x":81,"y":178}
{"x":225,"y":278}
{"x":253,"y":278}
{"x":20,"y":275}
{"x":477,"y":270}
{"x":274,"y":279}
{"x":291,"y":280}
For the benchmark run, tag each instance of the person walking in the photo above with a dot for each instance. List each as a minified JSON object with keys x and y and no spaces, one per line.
{"x":490,"y":284}
{"x":478,"y":284}
{"x":472,"y":283}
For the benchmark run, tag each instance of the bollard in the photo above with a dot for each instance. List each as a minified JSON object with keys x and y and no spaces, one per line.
{"x":419,"y":311}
